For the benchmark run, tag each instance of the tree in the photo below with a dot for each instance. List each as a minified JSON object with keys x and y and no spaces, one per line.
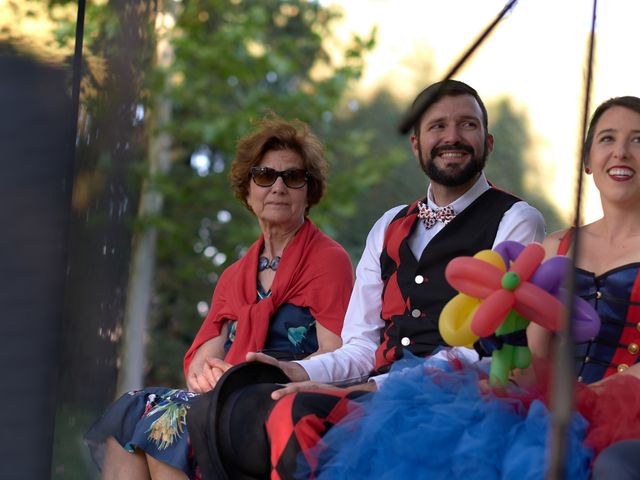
{"x":385,"y":164}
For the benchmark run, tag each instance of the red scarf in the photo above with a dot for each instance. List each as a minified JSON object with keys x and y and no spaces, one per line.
{"x":314,"y":271}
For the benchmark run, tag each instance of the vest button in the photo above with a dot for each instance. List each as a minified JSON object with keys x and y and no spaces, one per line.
{"x":622,"y":367}
{"x":580,"y":379}
{"x":638,"y":326}
{"x":405,"y":341}
{"x":598,"y":295}
{"x":419,"y":279}
{"x":415,"y":313}
{"x":633,"y":348}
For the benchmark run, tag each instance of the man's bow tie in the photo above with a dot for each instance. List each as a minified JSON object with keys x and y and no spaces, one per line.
{"x":430,"y":217}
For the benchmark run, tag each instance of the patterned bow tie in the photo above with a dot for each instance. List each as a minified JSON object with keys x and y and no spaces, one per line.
{"x":431,"y":217}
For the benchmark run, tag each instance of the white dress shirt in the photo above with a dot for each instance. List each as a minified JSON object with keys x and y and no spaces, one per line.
{"x":355,"y":359}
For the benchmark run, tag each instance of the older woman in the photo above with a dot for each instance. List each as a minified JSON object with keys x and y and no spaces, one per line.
{"x":286,"y":297}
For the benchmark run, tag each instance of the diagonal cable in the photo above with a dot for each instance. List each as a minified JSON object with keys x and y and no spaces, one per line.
{"x":417,"y":110}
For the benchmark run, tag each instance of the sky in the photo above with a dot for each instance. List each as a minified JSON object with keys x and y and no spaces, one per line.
{"x":536,"y":56}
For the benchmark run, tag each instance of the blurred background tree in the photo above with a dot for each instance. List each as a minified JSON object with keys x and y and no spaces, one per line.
{"x":509,"y":167}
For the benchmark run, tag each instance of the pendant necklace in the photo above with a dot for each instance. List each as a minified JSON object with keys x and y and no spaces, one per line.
{"x":264,"y":263}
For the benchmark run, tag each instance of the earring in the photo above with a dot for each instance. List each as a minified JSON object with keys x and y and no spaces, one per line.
{"x":587,"y":170}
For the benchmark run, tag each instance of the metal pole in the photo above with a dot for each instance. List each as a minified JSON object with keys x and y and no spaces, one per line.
{"x":562,"y":388}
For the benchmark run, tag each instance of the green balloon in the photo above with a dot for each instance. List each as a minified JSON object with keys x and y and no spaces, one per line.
{"x":510,"y":281}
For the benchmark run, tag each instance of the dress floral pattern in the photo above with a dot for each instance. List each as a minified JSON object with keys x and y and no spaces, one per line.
{"x":154,"y":419}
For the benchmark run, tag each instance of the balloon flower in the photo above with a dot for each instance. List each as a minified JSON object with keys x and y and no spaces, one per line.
{"x":501,"y":291}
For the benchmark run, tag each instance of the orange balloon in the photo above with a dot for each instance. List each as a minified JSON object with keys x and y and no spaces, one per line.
{"x":538,"y":306}
{"x":473,"y":277}
{"x":528,"y":261}
{"x":492,"y":312}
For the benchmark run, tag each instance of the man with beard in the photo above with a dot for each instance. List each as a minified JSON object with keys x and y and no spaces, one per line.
{"x":400,"y":287}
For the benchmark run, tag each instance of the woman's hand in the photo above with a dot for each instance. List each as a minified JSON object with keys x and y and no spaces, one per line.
{"x":202,"y":381}
{"x":217,"y":367}
{"x":207,"y":367}
{"x":208,"y":376}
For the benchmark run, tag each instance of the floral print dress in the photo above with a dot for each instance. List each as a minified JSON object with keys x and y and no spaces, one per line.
{"x":153,"y":419}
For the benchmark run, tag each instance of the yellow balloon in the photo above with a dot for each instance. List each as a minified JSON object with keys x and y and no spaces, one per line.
{"x":491,"y":257}
{"x":455,"y":320}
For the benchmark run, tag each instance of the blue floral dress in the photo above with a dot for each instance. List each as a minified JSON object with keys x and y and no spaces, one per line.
{"x":153,"y":419}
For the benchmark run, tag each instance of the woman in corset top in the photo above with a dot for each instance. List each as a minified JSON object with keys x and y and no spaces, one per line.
{"x":608,"y":271}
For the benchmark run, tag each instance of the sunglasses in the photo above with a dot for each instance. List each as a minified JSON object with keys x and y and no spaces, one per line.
{"x":292,"y":178}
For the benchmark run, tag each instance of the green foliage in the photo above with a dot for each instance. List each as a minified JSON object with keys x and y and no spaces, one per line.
{"x":385,"y":168}
{"x":238,"y":60}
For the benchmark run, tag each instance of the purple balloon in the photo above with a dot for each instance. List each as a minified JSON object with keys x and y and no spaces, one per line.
{"x":586,"y":322}
{"x":509,"y":251}
{"x":550,"y":276}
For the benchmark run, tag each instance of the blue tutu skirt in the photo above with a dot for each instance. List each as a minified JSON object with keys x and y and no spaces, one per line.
{"x":432,"y":420}
{"x":152,"y":420}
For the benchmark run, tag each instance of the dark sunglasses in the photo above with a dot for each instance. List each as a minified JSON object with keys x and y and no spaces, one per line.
{"x":292,"y":178}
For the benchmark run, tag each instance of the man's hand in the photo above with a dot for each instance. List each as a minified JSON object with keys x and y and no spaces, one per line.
{"x":299,"y":377}
{"x":293,"y":370}
{"x":309,"y":385}
{"x":298,"y":386}
{"x":207,"y":378}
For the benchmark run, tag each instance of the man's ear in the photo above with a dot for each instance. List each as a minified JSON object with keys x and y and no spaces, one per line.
{"x":414,"y":145}
{"x":489,"y":143}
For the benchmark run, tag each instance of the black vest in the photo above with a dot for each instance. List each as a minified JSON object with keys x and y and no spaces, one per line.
{"x":415,"y":291}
